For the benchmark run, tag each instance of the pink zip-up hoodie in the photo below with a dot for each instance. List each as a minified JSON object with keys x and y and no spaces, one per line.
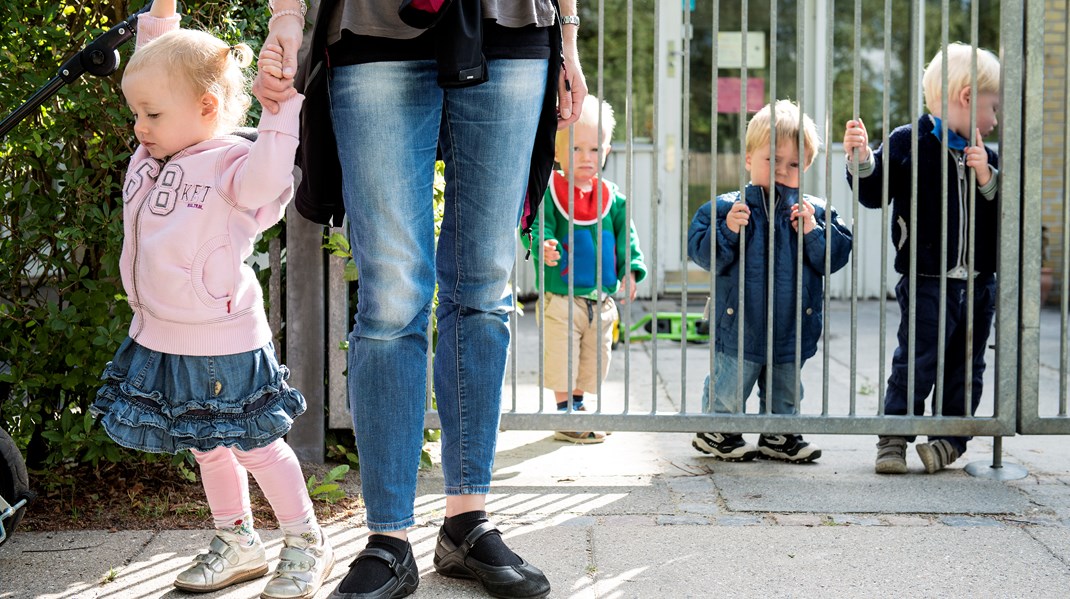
{"x":190,"y":224}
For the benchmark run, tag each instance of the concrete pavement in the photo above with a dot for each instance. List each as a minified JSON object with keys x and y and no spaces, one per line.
{"x":645,"y":515}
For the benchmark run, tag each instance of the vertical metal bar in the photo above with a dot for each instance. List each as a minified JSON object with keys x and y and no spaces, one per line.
{"x":830,"y":37}
{"x":599,"y":199}
{"x":714,"y":114}
{"x":856,"y":93}
{"x":912,"y":227}
{"x":1064,"y":284}
{"x":997,"y":452}
{"x":1020,"y":190}
{"x":628,"y":193}
{"x":885,"y":164}
{"x":741,"y":307}
{"x":770,"y":210}
{"x":513,"y":317}
{"x":941,"y":319}
{"x":685,"y":181}
{"x":656,"y":201}
{"x":571,"y":260}
{"x":967,"y":393}
{"x":803,"y":165}
{"x":541,"y":307}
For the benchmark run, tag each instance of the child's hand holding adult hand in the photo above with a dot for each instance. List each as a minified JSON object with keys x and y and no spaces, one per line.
{"x":270,"y":87}
{"x":803,"y":211}
{"x":550,"y":255}
{"x":977,"y":159}
{"x":737,"y":217}
{"x":855,"y":137}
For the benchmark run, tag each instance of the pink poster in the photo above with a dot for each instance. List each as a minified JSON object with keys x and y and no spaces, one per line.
{"x":728,"y":94}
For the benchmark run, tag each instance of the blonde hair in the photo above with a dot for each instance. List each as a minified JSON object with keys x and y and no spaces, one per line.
{"x":589,"y":117}
{"x":206,"y":64}
{"x":959,"y":61}
{"x":788,"y":128}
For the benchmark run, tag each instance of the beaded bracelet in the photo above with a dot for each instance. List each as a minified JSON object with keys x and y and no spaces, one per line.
{"x":286,"y":13}
{"x":301,"y":6}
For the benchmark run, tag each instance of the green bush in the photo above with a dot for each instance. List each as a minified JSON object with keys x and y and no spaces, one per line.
{"x":63,"y":312}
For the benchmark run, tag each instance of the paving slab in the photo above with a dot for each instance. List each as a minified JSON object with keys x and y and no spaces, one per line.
{"x":64,"y":564}
{"x":951,"y":492}
{"x":831,"y":561}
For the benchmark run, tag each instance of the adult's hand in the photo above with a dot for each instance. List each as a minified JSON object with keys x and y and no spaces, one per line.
{"x":275,"y":80}
{"x":571,"y":84}
{"x":287,"y":32}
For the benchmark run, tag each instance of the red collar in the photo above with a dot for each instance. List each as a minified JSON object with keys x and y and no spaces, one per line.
{"x":584,"y":202}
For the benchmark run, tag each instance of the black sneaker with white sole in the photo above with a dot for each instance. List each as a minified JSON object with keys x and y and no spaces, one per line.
{"x":727,"y":447}
{"x":789,"y":448}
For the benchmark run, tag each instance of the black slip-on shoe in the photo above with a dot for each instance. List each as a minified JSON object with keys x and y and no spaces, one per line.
{"x":406,"y":576}
{"x":523,"y":581}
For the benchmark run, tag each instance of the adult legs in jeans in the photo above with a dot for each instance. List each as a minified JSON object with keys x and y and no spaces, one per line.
{"x":389,"y":119}
{"x":386,"y":118}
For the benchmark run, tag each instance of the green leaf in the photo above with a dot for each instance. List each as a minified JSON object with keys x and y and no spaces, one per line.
{"x":338,"y":472}
{"x":321,"y":489}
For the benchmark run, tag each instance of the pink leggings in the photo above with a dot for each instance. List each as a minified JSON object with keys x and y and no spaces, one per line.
{"x":224,"y":472}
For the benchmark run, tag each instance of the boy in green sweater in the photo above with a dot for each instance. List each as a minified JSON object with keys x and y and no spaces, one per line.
{"x":592,"y":200}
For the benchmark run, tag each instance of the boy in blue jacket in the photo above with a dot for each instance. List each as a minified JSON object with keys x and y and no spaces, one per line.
{"x":749,"y":217}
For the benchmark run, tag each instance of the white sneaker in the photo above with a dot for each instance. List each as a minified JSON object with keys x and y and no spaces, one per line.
{"x":227,"y":562}
{"x":304,"y":563}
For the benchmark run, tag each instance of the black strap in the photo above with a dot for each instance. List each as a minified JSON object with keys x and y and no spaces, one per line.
{"x":478,"y":533}
{"x":381,"y":554}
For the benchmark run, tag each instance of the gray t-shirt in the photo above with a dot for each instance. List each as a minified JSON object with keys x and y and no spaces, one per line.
{"x":380,"y":18}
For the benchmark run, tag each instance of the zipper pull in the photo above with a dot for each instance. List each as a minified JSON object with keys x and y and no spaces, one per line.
{"x":228,"y":306}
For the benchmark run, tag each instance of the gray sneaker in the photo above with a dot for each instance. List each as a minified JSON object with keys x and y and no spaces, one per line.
{"x":936,"y":455}
{"x":227,"y":562}
{"x":891,"y":455}
{"x":304,"y":563}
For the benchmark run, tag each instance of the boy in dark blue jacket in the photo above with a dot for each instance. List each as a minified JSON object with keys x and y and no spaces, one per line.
{"x":963,"y":155}
{"x":749,"y":217}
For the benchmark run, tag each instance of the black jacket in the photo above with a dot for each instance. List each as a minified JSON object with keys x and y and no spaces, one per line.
{"x":929,"y":203}
{"x":319,"y":192}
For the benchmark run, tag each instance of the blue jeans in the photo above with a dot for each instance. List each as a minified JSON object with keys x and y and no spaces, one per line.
{"x":927,"y":304}
{"x":726,"y":383}
{"x":389,"y":119}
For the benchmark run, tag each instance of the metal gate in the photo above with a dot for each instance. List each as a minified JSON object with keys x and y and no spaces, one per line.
{"x":655,"y":384}
{"x":1045,"y":215}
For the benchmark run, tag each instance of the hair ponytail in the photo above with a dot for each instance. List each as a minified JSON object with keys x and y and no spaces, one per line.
{"x":242,"y":54}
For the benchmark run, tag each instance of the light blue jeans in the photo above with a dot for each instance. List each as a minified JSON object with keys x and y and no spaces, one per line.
{"x":389,"y":119}
{"x":727,"y":382}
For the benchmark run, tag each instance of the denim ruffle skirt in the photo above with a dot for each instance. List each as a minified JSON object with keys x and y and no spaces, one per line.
{"x":164,"y":403}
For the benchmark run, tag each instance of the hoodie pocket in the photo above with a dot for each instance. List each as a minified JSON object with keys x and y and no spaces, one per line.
{"x":212,"y":272}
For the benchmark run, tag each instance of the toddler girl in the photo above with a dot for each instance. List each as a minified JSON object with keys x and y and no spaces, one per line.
{"x":198,"y":370}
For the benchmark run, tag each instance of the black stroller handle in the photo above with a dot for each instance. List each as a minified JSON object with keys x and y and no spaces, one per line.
{"x":100,"y":58}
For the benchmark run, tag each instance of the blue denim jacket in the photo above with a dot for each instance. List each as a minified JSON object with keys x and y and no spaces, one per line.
{"x":699,"y":237}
